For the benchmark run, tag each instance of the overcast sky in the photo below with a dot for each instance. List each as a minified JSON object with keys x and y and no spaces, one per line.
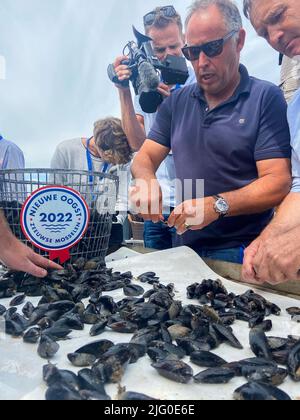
{"x":56,"y":54}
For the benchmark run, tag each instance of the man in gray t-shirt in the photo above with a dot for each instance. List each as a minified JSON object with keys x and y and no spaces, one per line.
{"x":11,"y":156}
{"x":72,"y":155}
{"x":107,"y":151}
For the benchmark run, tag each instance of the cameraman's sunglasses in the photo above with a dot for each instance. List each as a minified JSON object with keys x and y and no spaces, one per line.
{"x":167,"y":11}
{"x":210,"y":49}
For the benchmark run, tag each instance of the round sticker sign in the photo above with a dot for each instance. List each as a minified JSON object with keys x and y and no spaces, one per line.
{"x":55,"y":219}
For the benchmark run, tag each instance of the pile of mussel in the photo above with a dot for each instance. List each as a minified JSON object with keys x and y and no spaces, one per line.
{"x":162,"y":328}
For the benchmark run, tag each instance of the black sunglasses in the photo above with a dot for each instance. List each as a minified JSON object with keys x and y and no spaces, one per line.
{"x":211,"y":49}
{"x":166,"y":11}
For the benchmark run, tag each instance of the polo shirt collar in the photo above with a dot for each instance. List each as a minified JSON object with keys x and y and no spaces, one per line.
{"x":243,"y":88}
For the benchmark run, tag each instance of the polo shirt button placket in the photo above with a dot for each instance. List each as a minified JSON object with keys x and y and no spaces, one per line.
{"x":207,"y":120}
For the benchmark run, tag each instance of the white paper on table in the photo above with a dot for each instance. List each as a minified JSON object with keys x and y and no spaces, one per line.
{"x":21,"y":367}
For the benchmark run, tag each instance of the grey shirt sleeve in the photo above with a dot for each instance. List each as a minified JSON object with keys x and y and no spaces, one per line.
{"x":59,"y":161}
{"x":14,"y":158}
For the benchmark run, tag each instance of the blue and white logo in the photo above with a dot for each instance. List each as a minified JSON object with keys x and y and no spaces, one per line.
{"x":55,"y":218}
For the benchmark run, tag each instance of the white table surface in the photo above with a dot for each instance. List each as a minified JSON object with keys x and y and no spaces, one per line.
{"x":21,"y":367}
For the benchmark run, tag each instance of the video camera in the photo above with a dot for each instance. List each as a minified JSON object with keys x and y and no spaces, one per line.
{"x":148,"y":72}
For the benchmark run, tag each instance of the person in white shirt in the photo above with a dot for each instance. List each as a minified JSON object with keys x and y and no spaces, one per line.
{"x":164,"y":26}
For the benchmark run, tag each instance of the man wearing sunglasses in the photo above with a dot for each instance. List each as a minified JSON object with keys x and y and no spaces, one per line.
{"x":229,"y":130}
{"x":164,"y":26}
{"x":275,"y":256}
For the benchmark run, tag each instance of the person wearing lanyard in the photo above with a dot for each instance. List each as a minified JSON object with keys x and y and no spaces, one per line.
{"x":108,"y":152}
{"x":89,"y":159}
{"x":164,"y":26}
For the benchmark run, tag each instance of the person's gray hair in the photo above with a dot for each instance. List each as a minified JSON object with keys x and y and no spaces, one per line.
{"x":229,"y":10}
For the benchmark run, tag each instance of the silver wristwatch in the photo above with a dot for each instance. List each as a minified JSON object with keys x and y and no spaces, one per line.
{"x":221,"y":206}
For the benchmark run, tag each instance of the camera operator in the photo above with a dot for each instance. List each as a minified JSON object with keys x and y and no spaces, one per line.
{"x":164,"y":26}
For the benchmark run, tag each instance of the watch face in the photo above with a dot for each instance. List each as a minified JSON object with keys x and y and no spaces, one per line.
{"x":222,"y":206}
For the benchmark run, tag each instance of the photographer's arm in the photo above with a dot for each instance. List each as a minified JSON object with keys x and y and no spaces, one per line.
{"x":148,"y":160}
{"x":132,"y":125}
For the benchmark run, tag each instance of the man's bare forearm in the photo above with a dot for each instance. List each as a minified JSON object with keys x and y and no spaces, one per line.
{"x":135,"y":133}
{"x":288,"y":214}
{"x":263,"y":194}
{"x":143,"y":167}
{"x":287,"y":217}
{"x":148,"y":160}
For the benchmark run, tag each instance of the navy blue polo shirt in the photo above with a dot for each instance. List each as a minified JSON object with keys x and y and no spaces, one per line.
{"x":222,"y":147}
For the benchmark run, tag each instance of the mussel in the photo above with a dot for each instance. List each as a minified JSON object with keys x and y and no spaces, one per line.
{"x":294,"y":362}
{"x":207,"y":359}
{"x":221,"y":375}
{"x":81,"y":359}
{"x":258,"y":391}
{"x":97,"y":348}
{"x":18,"y":300}
{"x":47,"y":347}
{"x":32,"y":336}
{"x":133,"y":290}
{"x":175,"y":370}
